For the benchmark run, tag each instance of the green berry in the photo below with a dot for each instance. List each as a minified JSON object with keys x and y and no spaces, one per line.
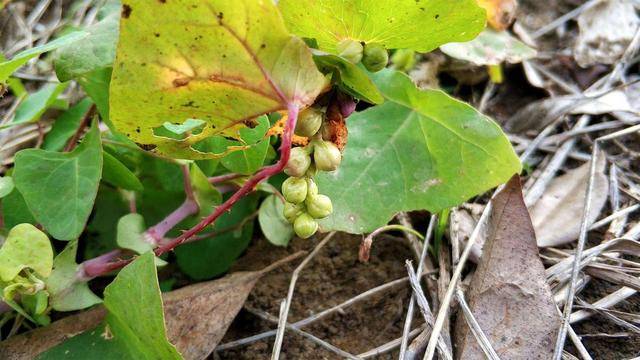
{"x":299,"y":162}
{"x":291,"y":211}
{"x":305,"y":226}
{"x":375,"y":57}
{"x":294,"y":190}
{"x":309,"y":122}
{"x":350,"y":50}
{"x":326,"y":155}
{"x":319,"y":206}
{"x":312,"y":188}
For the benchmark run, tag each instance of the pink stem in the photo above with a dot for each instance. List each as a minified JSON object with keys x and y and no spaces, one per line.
{"x":157,"y":232}
{"x":95,"y":267}
{"x":263,"y":174}
{"x":223,"y":178}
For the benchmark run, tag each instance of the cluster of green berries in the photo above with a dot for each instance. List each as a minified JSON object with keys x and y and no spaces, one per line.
{"x":304,"y":204}
{"x":373,"y":56}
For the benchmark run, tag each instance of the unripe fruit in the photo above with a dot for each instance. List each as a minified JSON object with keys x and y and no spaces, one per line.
{"x":326,"y":156}
{"x":350,"y":50}
{"x":375,"y":57}
{"x":309,"y":122}
{"x":305,"y":226}
{"x":319,"y":206}
{"x":298,"y":163}
{"x":312,"y":188}
{"x":294,"y":190}
{"x":291,"y":211}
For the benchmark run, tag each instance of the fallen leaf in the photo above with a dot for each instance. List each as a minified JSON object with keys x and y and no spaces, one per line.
{"x":196,"y":316}
{"x":606,"y":30}
{"x":508,"y":286}
{"x":557,"y":215}
{"x":500,"y":13}
{"x":490,"y":48}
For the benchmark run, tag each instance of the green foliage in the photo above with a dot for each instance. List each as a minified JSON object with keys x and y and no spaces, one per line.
{"x":15,"y":210}
{"x":60,"y":188}
{"x":273,"y":224}
{"x":222,"y":62}
{"x":213,"y":256}
{"x":36,"y":104}
{"x":134,"y":326}
{"x":65,"y":126}
{"x":396,"y":24}
{"x":207,"y":196}
{"x":117,"y":174}
{"x":421,"y":149}
{"x":68,"y":292}
{"x":26,"y":247}
{"x":350,"y":78}
{"x":490,"y":48}
{"x":250,"y":160}
{"x":6,"y":186}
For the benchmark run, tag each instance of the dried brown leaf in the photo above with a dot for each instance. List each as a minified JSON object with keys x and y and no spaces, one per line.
{"x":508,"y":294}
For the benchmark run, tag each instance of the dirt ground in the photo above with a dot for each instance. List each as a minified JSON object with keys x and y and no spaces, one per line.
{"x":335,"y":275}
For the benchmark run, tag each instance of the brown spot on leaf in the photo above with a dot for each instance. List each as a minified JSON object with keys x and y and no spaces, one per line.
{"x":126,"y":11}
{"x":181,"y":82}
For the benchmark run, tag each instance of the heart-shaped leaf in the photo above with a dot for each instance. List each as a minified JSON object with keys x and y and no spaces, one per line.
{"x":25,"y":247}
{"x":396,"y":24}
{"x":421,"y":149}
{"x":223,"y":62}
{"x":60,"y":188}
{"x":272,"y":222}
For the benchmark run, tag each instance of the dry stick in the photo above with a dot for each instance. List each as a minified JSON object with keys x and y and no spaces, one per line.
{"x":475,"y":328}
{"x":423,"y":305}
{"x":287,"y":304}
{"x":564,"y":18}
{"x":390,"y":345}
{"x":266,"y":316}
{"x":446,"y":302}
{"x":568,"y":306}
{"x":409,"y":319}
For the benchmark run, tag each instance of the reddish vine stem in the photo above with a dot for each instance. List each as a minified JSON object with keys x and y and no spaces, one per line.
{"x":248,"y":187}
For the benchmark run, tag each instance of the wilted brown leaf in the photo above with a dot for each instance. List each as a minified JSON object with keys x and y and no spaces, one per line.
{"x":508,"y":294}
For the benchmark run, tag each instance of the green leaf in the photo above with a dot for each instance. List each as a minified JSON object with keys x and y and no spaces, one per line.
{"x":134,"y":326}
{"x":6,"y":186}
{"x":66,"y":125}
{"x":219,"y":61}
{"x":117,"y":174}
{"x":36,"y":104}
{"x":251,"y":159}
{"x":68,"y":292}
{"x":101,"y":231}
{"x":131,"y":228}
{"x":396,"y":24}
{"x":60,"y":188}
{"x":211,"y":257}
{"x":421,"y":149}
{"x":9,"y":67}
{"x":15,"y":210}
{"x":207,"y":196}
{"x":273,"y":224}
{"x":490,"y":48}
{"x":96,"y":85}
{"x":26,"y":247}
{"x":351,"y":78}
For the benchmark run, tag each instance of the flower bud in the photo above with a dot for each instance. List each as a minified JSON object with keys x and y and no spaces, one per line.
{"x":298,"y":163}
{"x":291,"y":211}
{"x":305,"y":226}
{"x":375,"y":57}
{"x":309,"y":122}
{"x":327,"y":156}
{"x":319,"y":206}
{"x":294,"y":190}
{"x":312,"y":188}
{"x":350,"y":50}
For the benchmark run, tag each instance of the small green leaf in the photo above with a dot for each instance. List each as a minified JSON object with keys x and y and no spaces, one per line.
{"x":26,"y":247}
{"x":65,"y":126}
{"x":251,"y":159}
{"x":101,"y":231}
{"x":36,"y":104}
{"x":273,"y":224}
{"x":9,"y":67}
{"x":351,"y":78}
{"x":210,"y":257}
{"x":490,"y":48}
{"x":60,"y":188}
{"x":96,"y":85}
{"x":68,"y":292}
{"x":117,"y":174}
{"x":396,"y":24}
{"x":131,"y":228}
{"x":181,"y":129}
{"x":219,"y":61}
{"x":6,"y":186}
{"x":15,"y":210}
{"x":134,"y":327}
{"x":206,"y":194}
{"x":421,"y":149}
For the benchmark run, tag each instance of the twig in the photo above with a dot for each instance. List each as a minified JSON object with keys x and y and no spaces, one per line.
{"x":365,"y":245}
{"x":475,"y":328}
{"x":287,"y":303}
{"x":564,"y":18}
{"x":384,"y":348}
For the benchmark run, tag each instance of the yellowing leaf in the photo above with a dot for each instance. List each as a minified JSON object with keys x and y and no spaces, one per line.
{"x":223,"y":62}
{"x":25,"y":247}
{"x":500,"y":13}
